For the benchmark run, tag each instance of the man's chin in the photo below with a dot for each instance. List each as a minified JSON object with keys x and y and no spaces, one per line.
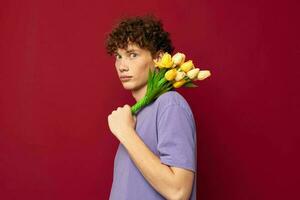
{"x":131,"y":87}
{"x":128,"y":86}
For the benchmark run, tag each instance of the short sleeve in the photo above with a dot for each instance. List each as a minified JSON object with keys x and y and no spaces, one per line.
{"x":177,"y":137}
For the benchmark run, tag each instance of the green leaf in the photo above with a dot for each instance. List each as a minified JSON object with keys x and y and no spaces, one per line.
{"x":190,"y":85}
{"x":149,"y":81}
{"x":156,"y":77}
{"x":162,"y":73}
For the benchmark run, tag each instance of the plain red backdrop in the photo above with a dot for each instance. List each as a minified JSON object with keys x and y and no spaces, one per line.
{"x":58,"y":87}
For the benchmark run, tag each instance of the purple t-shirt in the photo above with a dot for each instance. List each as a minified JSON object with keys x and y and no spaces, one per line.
{"x":168,"y":128}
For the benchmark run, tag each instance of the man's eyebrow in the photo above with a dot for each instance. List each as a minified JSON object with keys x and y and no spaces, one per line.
{"x":127,"y":51}
{"x":131,"y":50}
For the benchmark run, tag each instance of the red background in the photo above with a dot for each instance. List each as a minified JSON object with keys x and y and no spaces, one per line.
{"x":58,"y":87}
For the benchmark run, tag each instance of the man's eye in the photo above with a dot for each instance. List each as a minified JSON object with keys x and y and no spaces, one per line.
{"x":118,"y":56}
{"x":133,"y":55}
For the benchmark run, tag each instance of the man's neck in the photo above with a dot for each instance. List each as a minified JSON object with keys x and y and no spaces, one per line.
{"x":139,"y":94}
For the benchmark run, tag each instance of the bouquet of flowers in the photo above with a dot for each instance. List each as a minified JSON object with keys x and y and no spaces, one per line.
{"x":169,"y":73}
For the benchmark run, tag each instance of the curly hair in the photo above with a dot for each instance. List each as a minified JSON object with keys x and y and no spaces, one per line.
{"x":145,"y":31}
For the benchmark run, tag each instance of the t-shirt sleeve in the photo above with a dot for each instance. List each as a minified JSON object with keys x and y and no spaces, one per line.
{"x":177,"y":137}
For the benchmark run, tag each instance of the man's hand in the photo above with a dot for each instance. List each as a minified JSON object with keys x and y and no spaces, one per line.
{"x":122,"y":122}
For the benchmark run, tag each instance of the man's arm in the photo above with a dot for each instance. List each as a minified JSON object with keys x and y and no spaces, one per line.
{"x":171,"y":182}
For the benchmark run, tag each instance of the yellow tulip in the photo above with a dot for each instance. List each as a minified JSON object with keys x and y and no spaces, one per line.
{"x":178,"y":84}
{"x":203,"y":74}
{"x":165,"y":61}
{"x":178,"y":59}
{"x":187,"y":66}
{"x":192,"y":74}
{"x":180,"y":75}
{"x":171,"y":74}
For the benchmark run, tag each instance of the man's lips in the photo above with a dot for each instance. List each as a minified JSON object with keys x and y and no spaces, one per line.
{"x":125,"y":78}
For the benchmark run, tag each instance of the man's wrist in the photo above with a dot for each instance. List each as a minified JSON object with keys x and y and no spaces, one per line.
{"x":126,"y":136}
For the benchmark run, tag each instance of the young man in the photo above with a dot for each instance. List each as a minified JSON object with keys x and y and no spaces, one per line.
{"x":156,"y":157}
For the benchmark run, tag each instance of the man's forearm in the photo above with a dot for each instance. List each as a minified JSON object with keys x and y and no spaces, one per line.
{"x":160,"y":176}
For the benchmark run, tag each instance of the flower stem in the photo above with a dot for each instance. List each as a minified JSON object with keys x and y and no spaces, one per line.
{"x":138,"y":105}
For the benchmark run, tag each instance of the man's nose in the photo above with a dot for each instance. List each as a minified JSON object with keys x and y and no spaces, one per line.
{"x":123,"y":66}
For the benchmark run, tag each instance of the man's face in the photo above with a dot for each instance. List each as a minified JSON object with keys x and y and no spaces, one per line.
{"x":135,"y":63}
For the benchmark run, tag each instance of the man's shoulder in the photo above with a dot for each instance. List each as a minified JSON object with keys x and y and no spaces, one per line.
{"x":172,"y":98}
